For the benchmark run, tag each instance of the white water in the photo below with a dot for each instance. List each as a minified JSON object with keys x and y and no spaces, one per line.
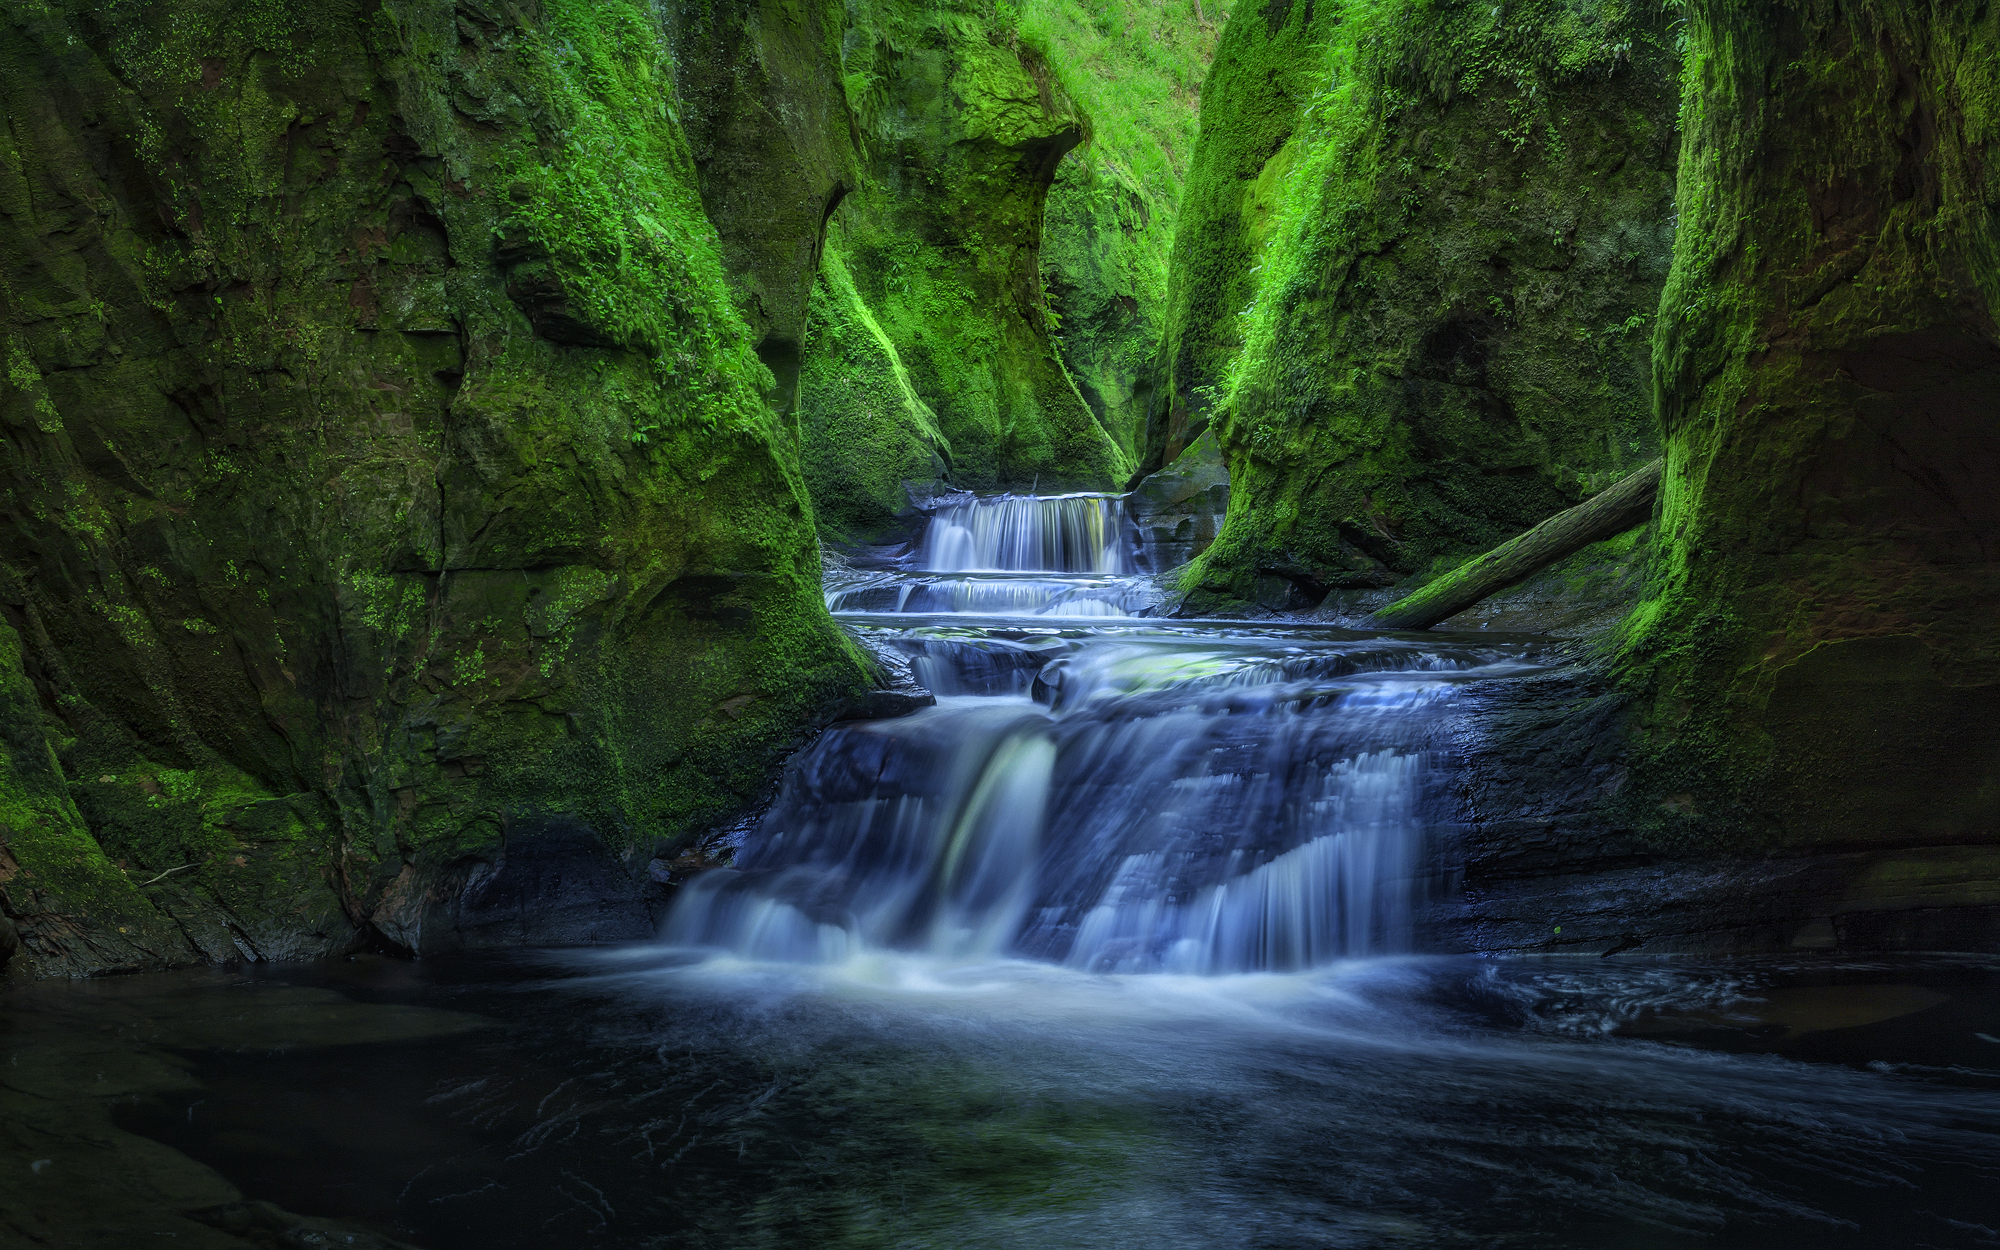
{"x":1029,"y":533}
{"x":1016,"y":555}
{"x":1113,"y":795}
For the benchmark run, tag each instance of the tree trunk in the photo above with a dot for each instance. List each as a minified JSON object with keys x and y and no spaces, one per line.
{"x":1610,"y":511}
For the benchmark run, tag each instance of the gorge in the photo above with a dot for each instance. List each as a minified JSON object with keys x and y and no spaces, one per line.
{"x":789,"y":623}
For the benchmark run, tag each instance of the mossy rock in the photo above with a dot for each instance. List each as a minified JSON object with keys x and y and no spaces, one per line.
{"x":1815,"y":656}
{"x":1441,"y":277}
{"x":387,"y":468}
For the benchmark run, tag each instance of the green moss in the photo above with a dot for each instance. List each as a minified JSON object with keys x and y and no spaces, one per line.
{"x":865,"y":438}
{"x":946,"y":1159}
{"x":1817,"y":632}
{"x":47,"y":848}
{"x":413,"y":472}
{"x":1455,"y":242}
{"x":1265,"y":68}
{"x":607,"y":201}
{"x":1135,"y":73}
{"x":962,"y":128}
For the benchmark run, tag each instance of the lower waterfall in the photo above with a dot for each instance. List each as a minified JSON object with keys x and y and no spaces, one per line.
{"x":1126,"y":795}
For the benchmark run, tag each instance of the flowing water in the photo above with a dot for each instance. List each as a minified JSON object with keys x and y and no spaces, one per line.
{"x":1116,"y":946}
{"x":1123,"y":795}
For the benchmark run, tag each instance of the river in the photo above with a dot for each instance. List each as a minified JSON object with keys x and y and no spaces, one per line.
{"x":1120,"y":944}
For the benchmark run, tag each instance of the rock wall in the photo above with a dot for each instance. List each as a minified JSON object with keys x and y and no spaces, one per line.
{"x":878,"y":172}
{"x":1549,"y":860}
{"x":948,"y":227}
{"x":1816,"y":660}
{"x":1788,"y":745}
{"x":398,"y":544}
{"x":1264,"y":73}
{"x":1135,"y":70}
{"x":1421,"y":258}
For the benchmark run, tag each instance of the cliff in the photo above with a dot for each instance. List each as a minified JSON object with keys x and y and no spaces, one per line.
{"x":399,"y":547}
{"x":1423,"y":246}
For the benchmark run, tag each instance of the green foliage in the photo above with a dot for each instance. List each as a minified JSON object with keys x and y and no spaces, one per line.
{"x":1429,"y":215}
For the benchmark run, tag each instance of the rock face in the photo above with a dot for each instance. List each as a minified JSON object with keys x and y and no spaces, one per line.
{"x":1179,"y":509}
{"x":1263,"y":74}
{"x":395,"y":526}
{"x":1816,"y":663}
{"x":1422,"y":250}
{"x":1550,"y":861}
{"x":878,"y":175}
{"x":1135,"y":71}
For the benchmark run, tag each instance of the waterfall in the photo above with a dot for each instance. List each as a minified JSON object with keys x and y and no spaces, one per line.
{"x":1095,"y":790}
{"x":1029,"y":534}
{"x":1187,"y":803}
{"x":939,"y":859}
{"x":1345,"y":891}
{"x":1014,"y":555}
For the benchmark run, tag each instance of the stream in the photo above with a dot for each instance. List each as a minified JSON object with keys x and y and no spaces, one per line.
{"x":1118,"y":945}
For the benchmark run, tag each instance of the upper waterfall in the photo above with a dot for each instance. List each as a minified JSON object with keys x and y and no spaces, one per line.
{"x":1029,"y":534}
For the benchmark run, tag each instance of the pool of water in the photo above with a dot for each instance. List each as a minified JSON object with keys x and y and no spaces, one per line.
{"x":648,"y":1097}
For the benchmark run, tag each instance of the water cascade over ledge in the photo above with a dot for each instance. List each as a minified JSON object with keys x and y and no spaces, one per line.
{"x":1121,"y":795}
{"x":1015,"y":555}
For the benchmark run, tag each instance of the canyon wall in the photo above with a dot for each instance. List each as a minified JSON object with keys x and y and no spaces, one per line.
{"x":1421,"y":252}
{"x":1816,"y":660}
{"x":399,"y":546}
{"x":878,"y":174}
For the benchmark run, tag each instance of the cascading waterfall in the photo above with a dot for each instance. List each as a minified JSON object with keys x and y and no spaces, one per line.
{"x":1014,"y":555}
{"x":1029,"y":533}
{"x":1121,"y":796}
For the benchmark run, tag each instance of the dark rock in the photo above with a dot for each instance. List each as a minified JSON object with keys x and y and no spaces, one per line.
{"x":1178,"y":510}
{"x":552,"y":882}
{"x":897,"y":692}
{"x":1548,"y":861}
{"x":268,"y":1225}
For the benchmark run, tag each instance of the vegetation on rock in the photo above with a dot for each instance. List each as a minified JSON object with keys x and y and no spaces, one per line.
{"x":1815,"y":658}
{"x":419,"y":418}
{"x":1438,"y":237}
{"x":1135,"y":72}
{"x":387,"y":472}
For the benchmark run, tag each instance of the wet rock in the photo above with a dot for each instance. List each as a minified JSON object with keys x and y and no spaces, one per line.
{"x":897,"y":691}
{"x":1549,"y":861}
{"x":265,"y":1224}
{"x":553,"y":882}
{"x":1178,"y":510}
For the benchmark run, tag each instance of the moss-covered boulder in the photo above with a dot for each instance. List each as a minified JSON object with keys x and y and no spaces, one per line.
{"x":1816,"y":661}
{"x":388,"y":485}
{"x":1438,"y":232}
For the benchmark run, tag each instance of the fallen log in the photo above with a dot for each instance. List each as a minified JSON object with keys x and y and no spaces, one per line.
{"x":1611,"y":511}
